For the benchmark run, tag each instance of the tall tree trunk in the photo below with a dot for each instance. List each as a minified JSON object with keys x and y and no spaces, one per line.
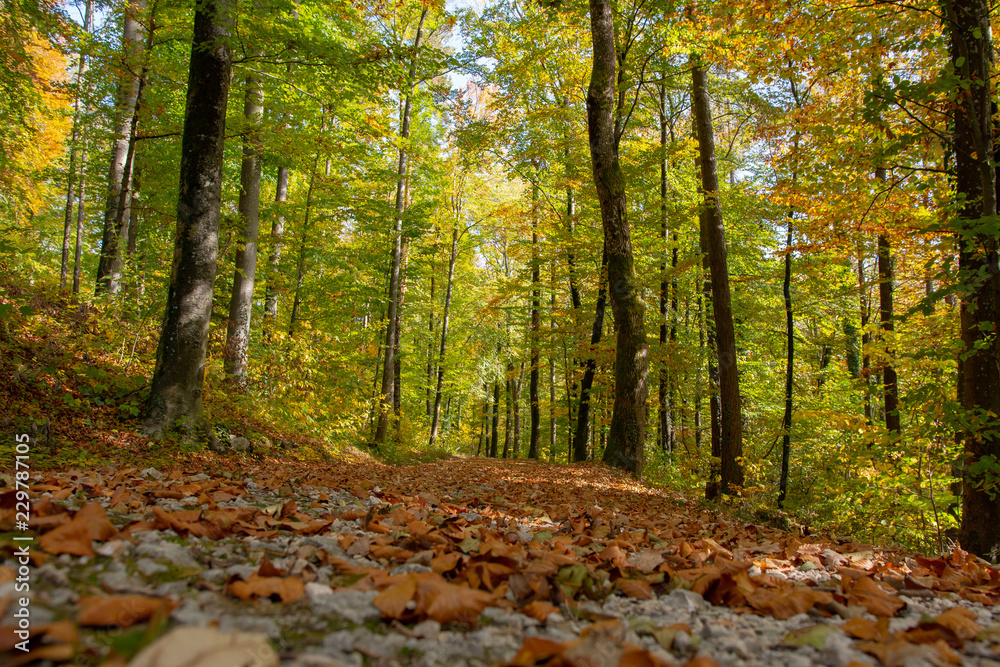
{"x":81,"y":211}
{"x":397,"y":361}
{"x":628,"y":424}
{"x":175,"y":396}
{"x":972,"y":57}
{"x":581,"y":434}
{"x":444,"y":336}
{"x":890,"y":384}
{"x":428,"y":391}
{"x":516,"y":387}
{"x":495,"y":436}
{"x":274,"y":259}
{"x":387,"y":400}
{"x":129,"y":94}
{"x":508,"y":429}
{"x":241,"y":302}
{"x":665,"y":414}
{"x":132,"y":248}
{"x":300,"y":274}
{"x":786,"y":422}
{"x":552,"y":369}
{"x":536,"y":323}
{"x":729,"y":389}
{"x":864,"y":306}
{"x":74,"y":141}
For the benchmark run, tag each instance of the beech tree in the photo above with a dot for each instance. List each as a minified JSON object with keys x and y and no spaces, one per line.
{"x":968,"y":24}
{"x":175,"y":398}
{"x":628,"y":419}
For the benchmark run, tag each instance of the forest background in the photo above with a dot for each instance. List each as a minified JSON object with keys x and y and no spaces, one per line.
{"x":410,"y":241}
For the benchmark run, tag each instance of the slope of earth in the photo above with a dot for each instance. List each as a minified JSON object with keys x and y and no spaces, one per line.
{"x":463,"y":561}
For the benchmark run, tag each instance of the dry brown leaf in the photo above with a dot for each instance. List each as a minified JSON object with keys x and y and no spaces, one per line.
{"x":539,"y":610}
{"x":867,"y":629}
{"x":635,"y":588}
{"x":88,"y":525}
{"x":866,"y":593}
{"x":786,"y":603}
{"x":118,"y":610}
{"x":428,"y":595}
{"x":536,"y":651}
{"x":286,"y":589}
{"x":960,"y":621}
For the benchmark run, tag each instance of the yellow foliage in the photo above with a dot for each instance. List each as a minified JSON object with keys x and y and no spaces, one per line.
{"x":47,"y":124}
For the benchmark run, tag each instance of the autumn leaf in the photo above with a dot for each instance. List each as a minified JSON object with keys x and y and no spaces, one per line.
{"x":90,"y":524}
{"x":118,"y":610}
{"x":428,"y":595}
{"x":866,"y":593}
{"x":285,"y":589}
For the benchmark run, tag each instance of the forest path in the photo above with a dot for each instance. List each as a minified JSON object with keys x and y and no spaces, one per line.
{"x":461,"y":561}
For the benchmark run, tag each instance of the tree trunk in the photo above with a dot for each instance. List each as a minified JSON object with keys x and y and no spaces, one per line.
{"x":786,"y":422}
{"x":74,"y":140}
{"x":428,"y":400}
{"x":495,"y":436}
{"x":865,"y":311}
{"x":972,"y":54}
{"x":516,"y":387}
{"x":397,"y":369}
{"x":729,"y":389}
{"x":889,"y":382}
{"x":81,"y":211}
{"x":628,"y":425}
{"x":119,"y":172}
{"x":175,"y":396}
{"x":303,"y":245}
{"x":508,"y":429}
{"x":241,"y":302}
{"x":444,"y":336}
{"x":552,"y":369}
{"x":581,"y":434}
{"x":274,"y":259}
{"x":665,"y":414}
{"x":397,"y":243}
{"x":535,"y":433}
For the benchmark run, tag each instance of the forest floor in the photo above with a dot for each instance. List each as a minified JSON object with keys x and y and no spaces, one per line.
{"x":158,"y":554}
{"x":460,"y":561}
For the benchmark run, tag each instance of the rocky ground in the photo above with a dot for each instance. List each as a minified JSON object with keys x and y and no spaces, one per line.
{"x":460,"y":563}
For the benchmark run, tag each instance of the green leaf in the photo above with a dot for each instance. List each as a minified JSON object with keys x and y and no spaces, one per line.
{"x":814,"y":635}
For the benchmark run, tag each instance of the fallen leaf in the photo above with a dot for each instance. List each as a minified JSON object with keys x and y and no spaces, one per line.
{"x":635,"y":588}
{"x":89,"y":524}
{"x":286,"y":589}
{"x":813,"y":635}
{"x":539,"y":610}
{"x":118,"y":610}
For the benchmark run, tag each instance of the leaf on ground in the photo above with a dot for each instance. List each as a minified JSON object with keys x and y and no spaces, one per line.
{"x":635,"y":588}
{"x":88,"y":525}
{"x":539,"y":610}
{"x":427,"y":595}
{"x":285,"y":589}
{"x":813,"y":635}
{"x":868,"y":594}
{"x":961,"y":621}
{"x":867,"y":629}
{"x":784,"y":604}
{"x":118,"y":610}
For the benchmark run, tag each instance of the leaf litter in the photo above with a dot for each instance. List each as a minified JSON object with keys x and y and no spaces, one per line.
{"x":439,"y":545}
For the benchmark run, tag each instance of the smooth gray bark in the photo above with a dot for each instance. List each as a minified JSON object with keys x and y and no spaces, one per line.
{"x":241,"y":301}
{"x":176,"y":394}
